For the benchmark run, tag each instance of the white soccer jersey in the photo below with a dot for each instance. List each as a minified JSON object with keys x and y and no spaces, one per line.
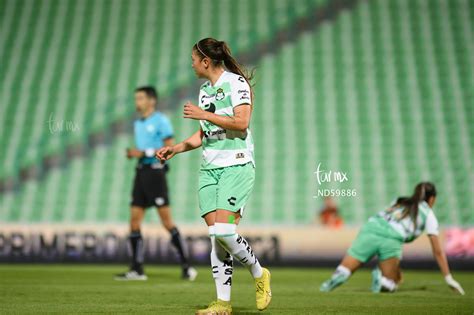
{"x":222,"y":147}
{"x":426,"y":221}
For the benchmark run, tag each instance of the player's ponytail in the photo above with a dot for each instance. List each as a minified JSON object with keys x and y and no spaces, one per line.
{"x":423,"y":192}
{"x":219,"y":53}
{"x":233,"y":66}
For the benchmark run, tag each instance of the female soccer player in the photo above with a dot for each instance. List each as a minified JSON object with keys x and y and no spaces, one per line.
{"x":227,"y":171}
{"x":384,"y":235}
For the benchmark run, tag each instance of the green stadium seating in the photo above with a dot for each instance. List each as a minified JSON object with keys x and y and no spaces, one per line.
{"x":77,"y":61}
{"x":383,"y":92}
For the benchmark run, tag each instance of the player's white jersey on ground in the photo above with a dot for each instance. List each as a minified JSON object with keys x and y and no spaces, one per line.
{"x":222,"y":147}
{"x":425,"y":222}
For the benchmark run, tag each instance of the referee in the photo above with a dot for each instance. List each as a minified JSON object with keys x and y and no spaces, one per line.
{"x":152,"y":131}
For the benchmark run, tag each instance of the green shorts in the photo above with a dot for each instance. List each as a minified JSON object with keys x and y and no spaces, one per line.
{"x":376,"y":239}
{"x":226,"y":188}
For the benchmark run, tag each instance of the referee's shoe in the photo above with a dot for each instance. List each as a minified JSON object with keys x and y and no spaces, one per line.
{"x":134,"y":275}
{"x":131,"y":275}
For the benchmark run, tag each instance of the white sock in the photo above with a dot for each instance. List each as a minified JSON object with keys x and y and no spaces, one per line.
{"x":238,"y":247}
{"x":341,"y":270}
{"x":222,"y":270}
{"x":388,"y":284}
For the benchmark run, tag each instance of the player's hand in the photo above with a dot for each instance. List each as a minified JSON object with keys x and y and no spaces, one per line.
{"x":194,"y":112}
{"x":134,"y":153}
{"x":165,"y":153}
{"x":453,"y":284}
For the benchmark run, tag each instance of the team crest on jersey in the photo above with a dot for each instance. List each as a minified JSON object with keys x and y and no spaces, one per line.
{"x":220,"y":94}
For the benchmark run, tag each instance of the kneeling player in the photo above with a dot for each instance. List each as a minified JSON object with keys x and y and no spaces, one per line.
{"x":384,"y":234}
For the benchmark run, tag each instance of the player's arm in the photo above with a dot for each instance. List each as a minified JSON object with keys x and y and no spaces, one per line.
{"x":168,"y":142}
{"x":189,"y":144}
{"x":440,"y":257}
{"x":239,"y":122}
{"x":135,"y":153}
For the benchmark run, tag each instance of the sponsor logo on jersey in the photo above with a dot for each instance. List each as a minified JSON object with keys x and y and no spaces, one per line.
{"x":244,"y":94}
{"x":208,"y":134}
{"x":203,"y":98}
{"x":240,"y":155}
{"x":241,"y":79}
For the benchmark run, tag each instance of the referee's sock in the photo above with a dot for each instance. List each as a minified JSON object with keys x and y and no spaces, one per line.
{"x":178,"y":244}
{"x":136,"y":243}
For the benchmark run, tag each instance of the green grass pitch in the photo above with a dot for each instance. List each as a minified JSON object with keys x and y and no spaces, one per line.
{"x":66,"y":289}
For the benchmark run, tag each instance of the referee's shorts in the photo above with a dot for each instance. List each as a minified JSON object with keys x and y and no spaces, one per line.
{"x":150,"y":187}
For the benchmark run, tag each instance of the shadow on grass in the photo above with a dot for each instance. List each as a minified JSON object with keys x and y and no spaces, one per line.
{"x":401,"y":289}
{"x":235,"y":310}
{"x":165,"y":275}
{"x":414,"y":288}
{"x":243,"y":311}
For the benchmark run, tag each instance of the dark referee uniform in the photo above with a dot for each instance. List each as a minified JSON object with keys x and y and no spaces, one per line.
{"x":150,"y":187}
